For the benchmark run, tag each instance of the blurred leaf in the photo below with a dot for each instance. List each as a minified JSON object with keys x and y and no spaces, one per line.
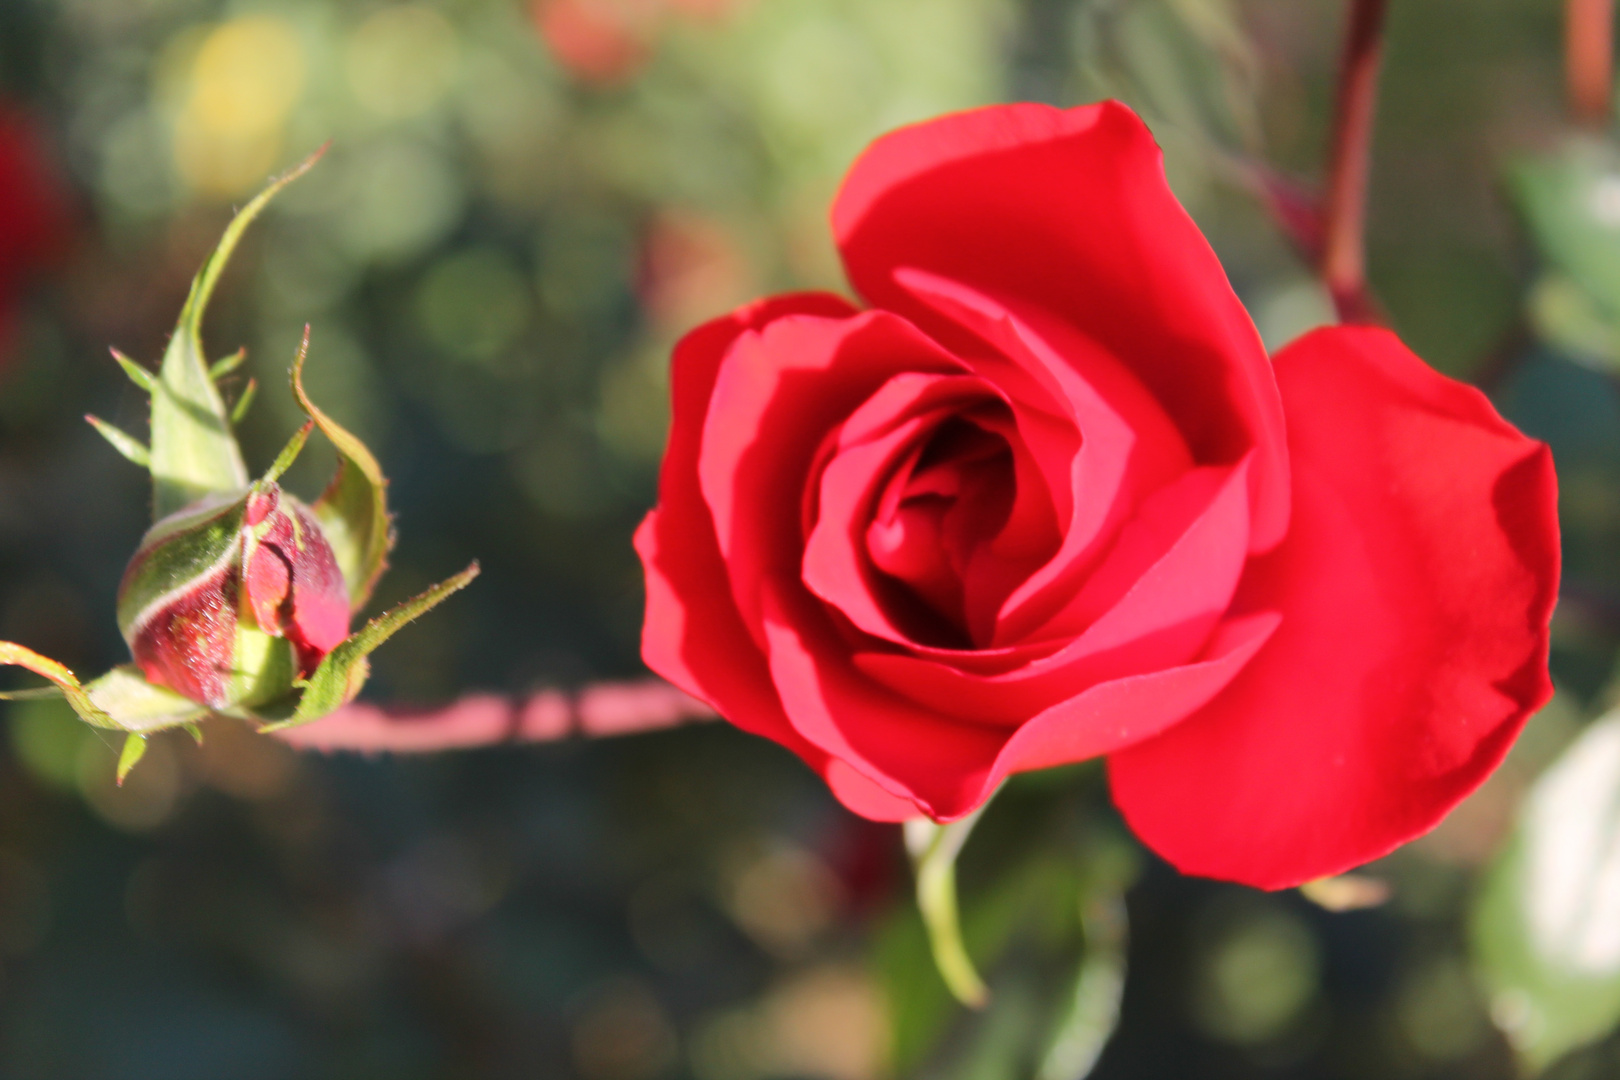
{"x":1092,"y":1013}
{"x":1054,"y":1005}
{"x":1547,"y":929}
{"x":1566,"y":315}
{"x":1570,"y":199}
{"x":1185,"y":62}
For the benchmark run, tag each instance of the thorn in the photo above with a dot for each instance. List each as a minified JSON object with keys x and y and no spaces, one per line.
{"x":195,"y":730}
{"x":227,"y":365}
{"x":127,"y":445}
{"x":138,"y":375}
{"x":244,"y":402}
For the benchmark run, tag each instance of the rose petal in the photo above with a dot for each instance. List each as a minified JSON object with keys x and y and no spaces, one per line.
{"x":1128,"y":448}
{"x":1415,"y":586}
{"x":913,"y":753}
{"x":868,"y":447}
{"x":780,"y":390}
{"x":1162,"y":621}
{"x":320,"y":596}
{"x":865,"y":797}
{"x":850,"y":560}
{"x":692,"y":634}
{"x":1123,"y":712}
{"x":1070,"y":213}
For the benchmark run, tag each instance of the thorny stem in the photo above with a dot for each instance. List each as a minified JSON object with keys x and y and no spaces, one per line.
{"x":1344,"y":259}
{"x":1589,"y":59}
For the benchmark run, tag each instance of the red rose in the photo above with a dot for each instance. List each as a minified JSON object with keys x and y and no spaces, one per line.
{"x":1047,"y":499}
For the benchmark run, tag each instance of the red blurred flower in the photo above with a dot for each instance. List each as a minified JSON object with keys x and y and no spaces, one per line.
{"x":33,"y":210}
{"x":1047,"y":499}
{"x":607,"y":41}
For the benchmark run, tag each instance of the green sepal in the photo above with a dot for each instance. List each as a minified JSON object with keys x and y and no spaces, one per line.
{"x":76,"y":694}
{"x":123,"y":442}
{"x":121,"y":700}
{"x":353,"y":510}
{"x":137,"y":374}
{"x":195,"y":730}
{"x":194,"y":453}
{"x":134,"y":750}
{"x":245,"y":402}
{"x":179,"y":550}
{"x":135,"y":705}
{"x":288,"y":455}
{"x":345,"y":669}
{"x":228,"y":364}
{"x":934,"y":849}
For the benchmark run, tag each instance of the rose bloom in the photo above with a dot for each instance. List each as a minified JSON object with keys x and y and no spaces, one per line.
{"x":1047,"y":499}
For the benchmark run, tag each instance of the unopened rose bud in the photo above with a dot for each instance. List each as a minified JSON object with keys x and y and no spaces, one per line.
{"x":233,"y":598}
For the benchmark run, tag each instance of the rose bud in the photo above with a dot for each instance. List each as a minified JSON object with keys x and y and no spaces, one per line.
{"x":231,"y":599}
{"x":239,"y":598}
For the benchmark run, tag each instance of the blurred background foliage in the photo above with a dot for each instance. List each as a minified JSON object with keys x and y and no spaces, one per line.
{"x":523,"y":207}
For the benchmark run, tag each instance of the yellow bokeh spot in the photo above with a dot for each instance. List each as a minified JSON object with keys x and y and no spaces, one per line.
{"x":401,"y":60}
{"x":245,"y":78}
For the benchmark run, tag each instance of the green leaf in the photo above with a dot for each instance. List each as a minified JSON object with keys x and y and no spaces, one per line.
{"x":1545,"y":932}
{"x":127,"y":445}
{"x":934,"y":849}
{"x":1570,"y":200}
{"x":353,"y":510}
{"x":134,"y":750}
{"x":345,"y":669}
{"x":193,"y":451}
{"x":137,"y":706}
{"x":1092,"y":1011}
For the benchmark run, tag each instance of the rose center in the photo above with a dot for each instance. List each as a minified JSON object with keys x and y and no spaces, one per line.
{"x":934,"y":521}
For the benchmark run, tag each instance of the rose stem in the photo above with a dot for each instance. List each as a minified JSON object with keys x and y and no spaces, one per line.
{"x":1344,"y":258}
{"x":1589,"y":59}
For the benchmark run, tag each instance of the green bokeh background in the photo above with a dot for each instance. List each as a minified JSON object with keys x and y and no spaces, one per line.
{"x":509,"y":232}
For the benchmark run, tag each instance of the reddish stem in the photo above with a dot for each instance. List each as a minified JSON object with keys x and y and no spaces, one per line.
{"x":1589,"y":59}
{"x":1344,"y":259}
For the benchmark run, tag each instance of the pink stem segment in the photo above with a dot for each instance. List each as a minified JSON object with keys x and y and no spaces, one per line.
{"x":1344,"y":259}
{"x":608,"y":708}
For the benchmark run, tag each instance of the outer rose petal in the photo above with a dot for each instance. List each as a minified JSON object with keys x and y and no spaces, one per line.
{"x":692,"y":634}
{"x":1415,"y":586}
{"x":1068,"y":211}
